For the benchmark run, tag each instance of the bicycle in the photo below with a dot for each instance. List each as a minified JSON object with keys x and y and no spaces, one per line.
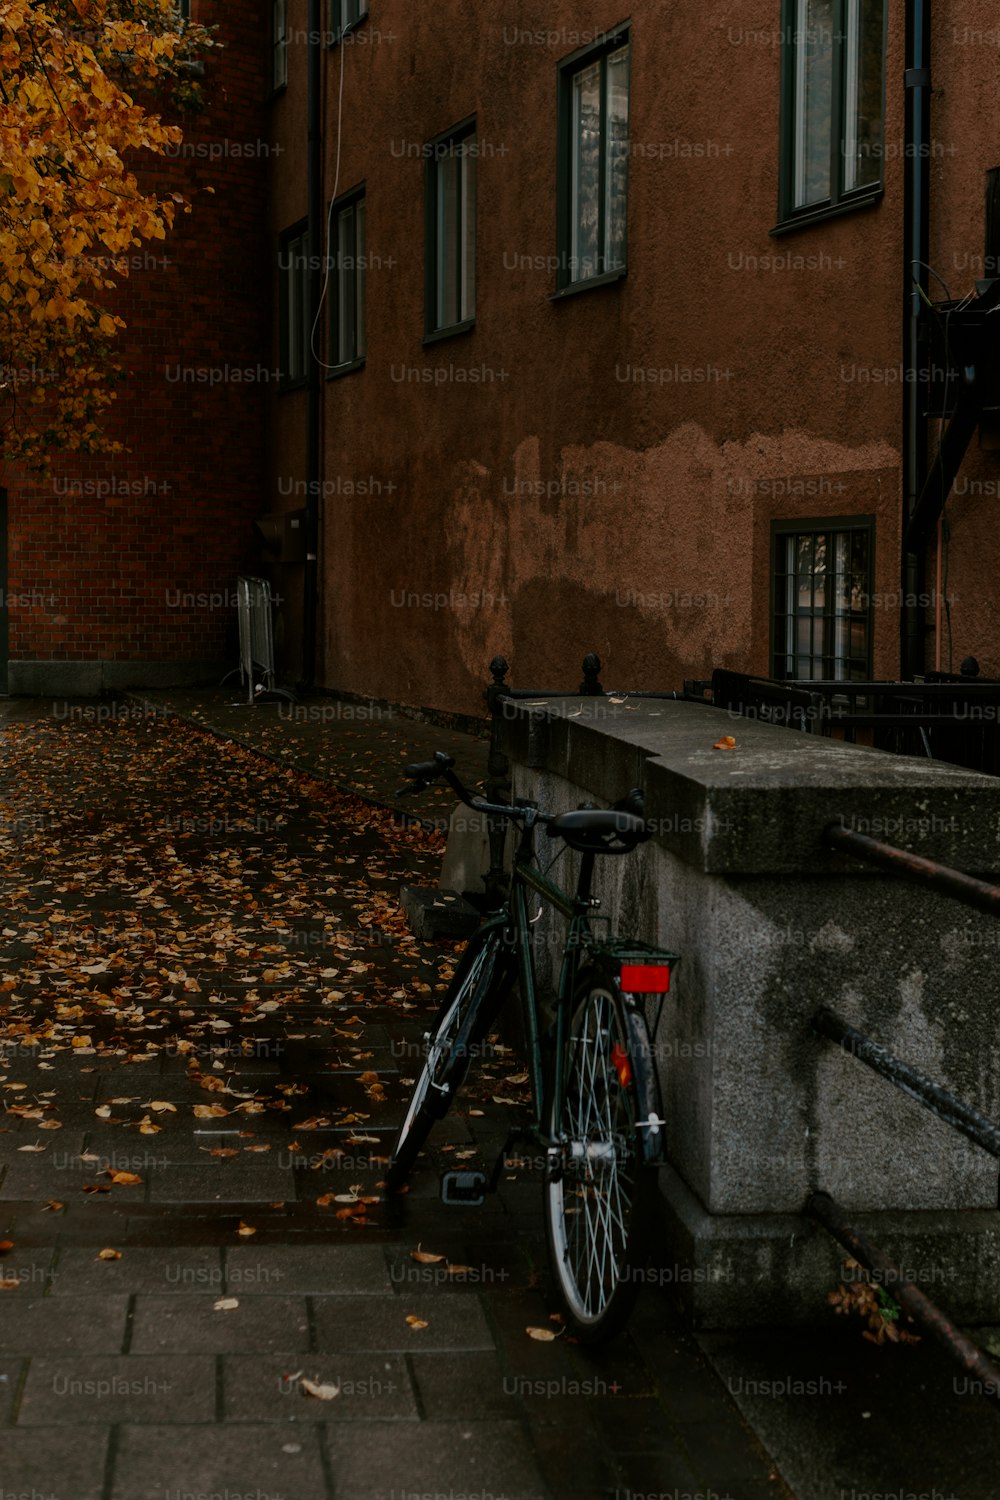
{"x":596,"y":1107}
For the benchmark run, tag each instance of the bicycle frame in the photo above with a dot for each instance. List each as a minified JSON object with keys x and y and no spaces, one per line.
{"x":576,"y":908}
{"x":646,"y":965}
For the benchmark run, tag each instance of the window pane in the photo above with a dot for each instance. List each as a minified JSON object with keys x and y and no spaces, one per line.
{"x":468,"y":228}
{"x":448,"y":244}
{"x":585,"y":174}
{"x":822,"y":625}
{"x":279,"y":36}
{"x":616,"y":160}
{"x":863,"y":93}
{"x":295,"y":309}
{"x":346,"y":294}
{"x":813,"y":100}
{"x":360,"y":279}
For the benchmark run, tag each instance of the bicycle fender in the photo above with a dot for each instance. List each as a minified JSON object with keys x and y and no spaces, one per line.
{"x":652,"y":1131}
{"x":652,"y":1128}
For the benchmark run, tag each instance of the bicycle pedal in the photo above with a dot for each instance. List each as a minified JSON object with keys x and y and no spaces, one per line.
{"x":467,"y":1189}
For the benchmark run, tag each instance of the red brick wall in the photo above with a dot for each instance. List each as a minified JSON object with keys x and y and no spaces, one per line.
{"x":102,"y":553}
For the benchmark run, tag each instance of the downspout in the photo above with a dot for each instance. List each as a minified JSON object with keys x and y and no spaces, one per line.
{"x":916,"y":231}
{"x":314,"y":388}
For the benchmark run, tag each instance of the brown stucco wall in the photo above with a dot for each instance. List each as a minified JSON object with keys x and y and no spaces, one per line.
{"x":521,"y":488}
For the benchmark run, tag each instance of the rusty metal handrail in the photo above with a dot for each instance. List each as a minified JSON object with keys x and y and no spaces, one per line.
{"x":917,"y":1303}
{"x":929,"y":872}
{"x":946,"y":1105}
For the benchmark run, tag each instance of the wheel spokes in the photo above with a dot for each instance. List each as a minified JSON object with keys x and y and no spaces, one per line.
{"x":596,"y":1114}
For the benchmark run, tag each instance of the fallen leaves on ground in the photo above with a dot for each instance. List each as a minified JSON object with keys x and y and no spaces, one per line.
{"x":162,"y":892}
{"x":318,"y":1390}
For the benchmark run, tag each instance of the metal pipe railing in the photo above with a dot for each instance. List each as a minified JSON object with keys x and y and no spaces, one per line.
{"x":921,"y":1309}
{"x":940,"y":1101}
{"x":929,"y":872}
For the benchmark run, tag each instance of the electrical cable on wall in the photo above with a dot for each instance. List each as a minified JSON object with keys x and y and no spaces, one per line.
{"x":327,"y":257}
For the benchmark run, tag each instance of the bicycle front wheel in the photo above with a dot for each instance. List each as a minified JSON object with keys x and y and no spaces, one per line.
{"x":468,"y":1011}
{"x":598,"y":1202}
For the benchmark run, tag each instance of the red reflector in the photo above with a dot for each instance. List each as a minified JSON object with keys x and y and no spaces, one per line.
{"x":645,"y":979}
{"x":622,"y":1066}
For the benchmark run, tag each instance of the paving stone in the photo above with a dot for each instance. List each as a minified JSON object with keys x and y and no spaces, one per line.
{"x":373,"y":1388}
{"x":31,"y":1268}
{"x":347,"y":1323}
{"x":479,"y":1267}
{"x":62,"y":1325}
{"x":476,"y":1385}
{"x":436,"y":1458}
{"x":141,"y":1269}
{"x":118,"y":1388}
{"x":192,"y":1325}
{"x":325,"y":1270}
{"x":639,"y":1425}
{"x":67,"y":1465}
{"x":24,"y":1181}
{"x":573,"y":1457}
{"x":238,"y":1181}
{"x":11,"y":1371}
{"x":171,"y":1463}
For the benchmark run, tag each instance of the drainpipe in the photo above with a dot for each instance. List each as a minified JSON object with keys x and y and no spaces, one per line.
{"x":916,"y":253}
{"x":314,"y":388}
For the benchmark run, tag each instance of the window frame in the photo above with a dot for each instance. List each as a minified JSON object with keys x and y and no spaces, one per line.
{"x":566,"y":69}
{"x":279,"y":46}
{"x":297,"y":233}
{"x":339,"y":28}
{"x":840,"y":200}
{"x":796,"y":526}
{"x":339,"y":206}
{"x":433,"y":328}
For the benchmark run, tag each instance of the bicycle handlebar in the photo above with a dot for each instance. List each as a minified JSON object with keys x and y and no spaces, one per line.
{"x":424,"y":773}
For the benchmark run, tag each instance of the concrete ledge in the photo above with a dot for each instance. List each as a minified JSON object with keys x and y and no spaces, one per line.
{"x":760,"y":1110}
{"x":760,"y":808}
{"x":88,"y":679}
{"x":736,"y":1269}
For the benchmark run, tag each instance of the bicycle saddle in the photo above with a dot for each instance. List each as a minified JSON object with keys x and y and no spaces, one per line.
{"x":598,"y":830}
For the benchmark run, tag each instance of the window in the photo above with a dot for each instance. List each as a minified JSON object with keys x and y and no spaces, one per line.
{"x":593,"y":162}
{"x":833,"y":56}
{"x":346,"y":13}
{"x":347,"y":280}
{"x":279,"y":44}
{"x":451,"y":231}
{"x":822,"y":600}
{"x":293,"y":309}
{"x":183,"y":9}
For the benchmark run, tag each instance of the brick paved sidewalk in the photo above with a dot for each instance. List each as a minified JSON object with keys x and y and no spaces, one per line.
{"x":209,"y":1012}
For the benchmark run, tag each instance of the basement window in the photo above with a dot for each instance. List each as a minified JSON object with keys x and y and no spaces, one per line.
{"x":822,"y":600}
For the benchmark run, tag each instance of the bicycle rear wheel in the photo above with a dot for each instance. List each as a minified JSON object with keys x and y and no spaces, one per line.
{"x":469,"y":1009}
{"x":598,"y":1205}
